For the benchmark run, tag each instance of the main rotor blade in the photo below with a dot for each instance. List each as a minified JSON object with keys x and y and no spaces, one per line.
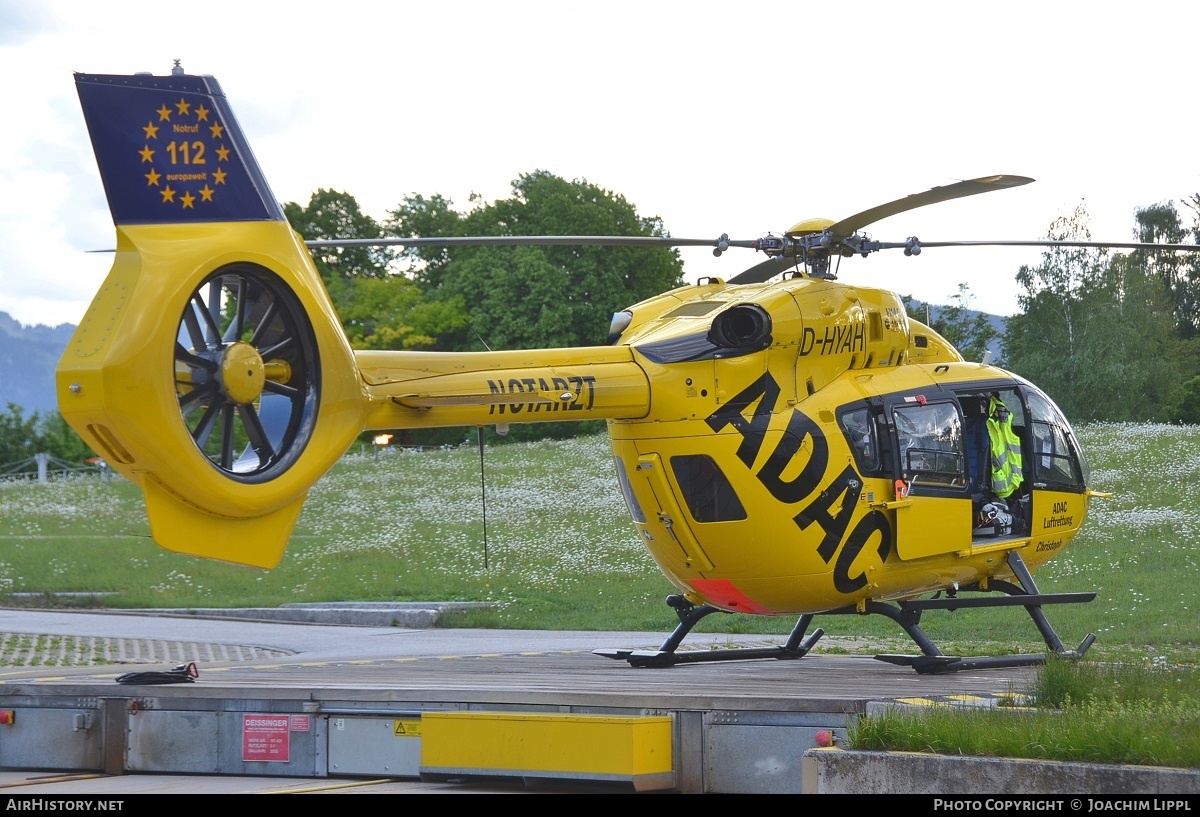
{"x":1111,"y":245}
{"x":970,"y":187}
{"x":768,"y":269}
{"x":764,"y":271}
{"x":532,"y":240}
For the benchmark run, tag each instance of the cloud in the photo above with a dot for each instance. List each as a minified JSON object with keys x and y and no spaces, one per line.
{"x":23,"y":20}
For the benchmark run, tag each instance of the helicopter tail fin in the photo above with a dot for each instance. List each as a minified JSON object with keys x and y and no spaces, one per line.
{"x":210,"y":369}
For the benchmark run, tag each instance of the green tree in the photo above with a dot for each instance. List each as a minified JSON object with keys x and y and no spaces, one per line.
{"x":22,"y":437}
{"x":1150,"y":353}
{"x":543,"y":296}
{"x":968,"y":330}
{"x":57,"y":438}
{"x":379,"y":308}
{"x":971,"y":332}
{"x":1184,"y":288}
{"x":1188,"y":410}
{"x":1094,"y":331}
{"x":332,"y":214}
{"x":419,"y":216}
{"x":18,"y":435}
{"x":390,"y":313}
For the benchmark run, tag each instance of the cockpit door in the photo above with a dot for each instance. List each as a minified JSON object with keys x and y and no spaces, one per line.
{"x":933,"y":503}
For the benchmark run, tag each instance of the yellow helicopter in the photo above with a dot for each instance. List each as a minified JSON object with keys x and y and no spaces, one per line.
{"x":787,"y":445}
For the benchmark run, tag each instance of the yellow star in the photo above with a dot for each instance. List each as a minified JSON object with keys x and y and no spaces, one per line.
{"x":147,"y":154}
{"x":206,"y":193}
{"x":217,"y":131}
{"x":151,"y":131}
{"x":152,"y":178}
{"x":202,"y":114}
{"x":183,"y":106}
{"x":164,"y":114}
{"x":168,"y":194}
{"x":188,"y":200}
{"x":219,"y":177}
{"x":222,"y":154}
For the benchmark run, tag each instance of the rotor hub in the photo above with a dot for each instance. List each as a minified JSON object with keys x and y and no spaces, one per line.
{"x":242,"y":373}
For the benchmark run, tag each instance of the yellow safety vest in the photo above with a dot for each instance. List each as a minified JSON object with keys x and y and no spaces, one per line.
{"x":1006,"y":450}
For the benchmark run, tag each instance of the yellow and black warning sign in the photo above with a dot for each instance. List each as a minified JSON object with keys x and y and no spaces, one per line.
{"x":406,"y":728}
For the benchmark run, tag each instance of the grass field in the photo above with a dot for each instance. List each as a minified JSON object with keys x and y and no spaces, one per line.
{"x":560,"y":551}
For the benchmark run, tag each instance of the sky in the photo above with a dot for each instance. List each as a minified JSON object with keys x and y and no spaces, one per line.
{"x":739,"y":118}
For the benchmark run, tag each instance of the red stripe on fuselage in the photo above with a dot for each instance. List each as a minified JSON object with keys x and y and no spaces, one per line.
{"x":722,"y":593}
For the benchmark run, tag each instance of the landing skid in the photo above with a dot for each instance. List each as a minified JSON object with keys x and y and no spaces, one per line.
{"x":905,"y":613}
{"x":797,"y":645}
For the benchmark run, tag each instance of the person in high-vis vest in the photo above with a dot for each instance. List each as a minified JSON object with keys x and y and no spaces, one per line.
{"x":1006,"y":449}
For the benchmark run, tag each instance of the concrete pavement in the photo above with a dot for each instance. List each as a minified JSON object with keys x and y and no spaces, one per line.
{"x":63,"y":638}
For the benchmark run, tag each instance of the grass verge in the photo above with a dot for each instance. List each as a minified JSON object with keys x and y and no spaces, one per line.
{"x":1137,"y":713}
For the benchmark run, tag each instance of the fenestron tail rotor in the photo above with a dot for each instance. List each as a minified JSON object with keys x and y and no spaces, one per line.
{"x":246,"y":372}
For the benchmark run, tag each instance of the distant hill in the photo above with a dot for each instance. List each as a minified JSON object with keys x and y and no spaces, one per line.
{"x":28,"y":357}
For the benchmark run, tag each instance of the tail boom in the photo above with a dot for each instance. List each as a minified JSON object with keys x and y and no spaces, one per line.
{"x":443,"y":389}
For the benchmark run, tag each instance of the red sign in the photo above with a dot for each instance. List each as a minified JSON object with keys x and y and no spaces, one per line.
{"x":266,"y":738}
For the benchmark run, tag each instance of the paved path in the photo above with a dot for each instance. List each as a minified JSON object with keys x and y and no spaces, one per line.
{"x":62,"y":638}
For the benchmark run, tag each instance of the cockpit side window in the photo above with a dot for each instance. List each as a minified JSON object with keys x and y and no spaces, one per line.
{"x":861,"y":432}
{"x":706,"y":490}
{"x":931,"y":444}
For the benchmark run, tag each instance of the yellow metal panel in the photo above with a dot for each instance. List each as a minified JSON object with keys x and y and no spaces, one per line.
{"x":675,"y":524}
{"x":932,"y":525}
{"x":256,"y":541}
{"x":577,"y":745}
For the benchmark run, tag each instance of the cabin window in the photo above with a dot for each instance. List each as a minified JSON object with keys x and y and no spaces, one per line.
{"x":931,"y":444}
{"x":706,"y":490}
{"x":1055,"y":460}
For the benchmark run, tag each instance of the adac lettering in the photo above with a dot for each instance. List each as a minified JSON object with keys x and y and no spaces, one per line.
{"x":842,"y":493}
{"x":583,"y":388}
{"x":836,"y":339}
{"x":1060,"y":517}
